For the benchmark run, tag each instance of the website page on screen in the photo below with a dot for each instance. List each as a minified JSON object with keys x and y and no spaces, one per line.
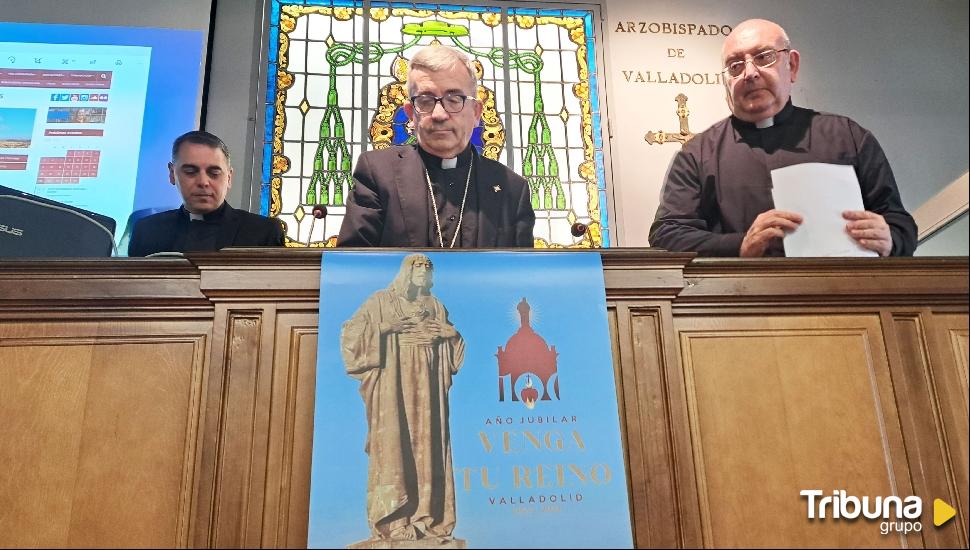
{"x":71,"y":120}
{"x":88,"y":113}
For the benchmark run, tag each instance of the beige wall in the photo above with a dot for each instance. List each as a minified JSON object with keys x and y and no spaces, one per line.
{"x":898,"y":68}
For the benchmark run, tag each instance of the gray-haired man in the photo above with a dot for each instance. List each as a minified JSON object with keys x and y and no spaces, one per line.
{"x":440,"y":193}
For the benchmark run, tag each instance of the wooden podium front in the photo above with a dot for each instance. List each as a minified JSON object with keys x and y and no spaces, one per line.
{"x":169,"y":402}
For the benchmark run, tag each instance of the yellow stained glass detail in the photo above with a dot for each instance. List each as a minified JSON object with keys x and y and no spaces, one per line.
{"x":280,"y":164}
{"x":492,"y":19}
{"x":525,"y":21}
{"x":283,"y":80}
{"x":343,"y":14}
{"x":379,"y":14}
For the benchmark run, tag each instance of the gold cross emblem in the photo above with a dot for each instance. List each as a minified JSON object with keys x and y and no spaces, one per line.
{"x":683,"y":136}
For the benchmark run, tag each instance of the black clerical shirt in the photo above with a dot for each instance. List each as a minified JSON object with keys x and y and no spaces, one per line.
{"x":201,"y":234}
{"x":448,"y":185}
{"x":719,"y":183}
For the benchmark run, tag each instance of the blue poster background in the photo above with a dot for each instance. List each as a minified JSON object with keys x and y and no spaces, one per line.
{"x":587,"y":505}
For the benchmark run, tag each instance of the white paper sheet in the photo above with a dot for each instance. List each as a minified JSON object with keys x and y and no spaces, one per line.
{"x":820,"y":193}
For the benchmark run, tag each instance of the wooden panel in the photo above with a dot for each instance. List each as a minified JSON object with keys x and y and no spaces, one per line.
{"x":956,"y":327}
{"x":948,"y":350}
{"x":238,"y":429}
{"x":655,"y":452}
{"x":960,"y":436}
{"x":783,"y":404}
{"x":287,"y":506}
{"x":922,"y":426}
{"x":99,"y":433}
{"x":625,"y":381}
{"x":728,"y":408}
{"x":264,"y":398}
{"x":838,"y":282}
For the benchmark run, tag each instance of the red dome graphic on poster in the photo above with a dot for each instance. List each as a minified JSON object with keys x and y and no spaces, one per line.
{"x":527,"y":354}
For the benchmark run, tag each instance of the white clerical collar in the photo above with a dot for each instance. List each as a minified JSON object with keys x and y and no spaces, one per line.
{"x":766,"y":123}
{"x":448,"y":164}
{"x":196,"y":217}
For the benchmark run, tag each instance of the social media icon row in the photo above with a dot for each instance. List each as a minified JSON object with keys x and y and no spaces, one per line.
{"x":80,"y":97}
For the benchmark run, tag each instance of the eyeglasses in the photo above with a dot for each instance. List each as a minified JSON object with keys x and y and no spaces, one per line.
{"x":762,"y":60}
{"x":453,"y":103}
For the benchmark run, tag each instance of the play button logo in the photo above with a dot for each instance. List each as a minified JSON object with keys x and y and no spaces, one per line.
{"x":942,"y":512}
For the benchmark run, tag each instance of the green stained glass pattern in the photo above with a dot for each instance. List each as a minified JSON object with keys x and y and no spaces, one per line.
{"x":340,"y":80}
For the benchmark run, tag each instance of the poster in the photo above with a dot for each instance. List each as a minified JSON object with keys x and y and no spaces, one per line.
{"x":481,"y":386}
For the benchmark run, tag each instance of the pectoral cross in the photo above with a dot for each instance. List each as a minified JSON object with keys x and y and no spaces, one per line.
{"x":684,"y":136}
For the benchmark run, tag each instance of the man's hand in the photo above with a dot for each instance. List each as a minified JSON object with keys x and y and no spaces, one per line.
{"x":870,"y":230}
{"x":767,"y":227}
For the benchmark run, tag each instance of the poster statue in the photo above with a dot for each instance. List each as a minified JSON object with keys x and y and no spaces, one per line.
{"x":404,"y":351}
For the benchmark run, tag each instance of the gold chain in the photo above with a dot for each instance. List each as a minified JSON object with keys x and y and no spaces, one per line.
{"x":461,"y":211}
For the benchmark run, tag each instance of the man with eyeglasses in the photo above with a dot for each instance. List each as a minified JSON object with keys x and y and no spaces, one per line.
{"x":440,"y":192}
{"x":717,"y":196}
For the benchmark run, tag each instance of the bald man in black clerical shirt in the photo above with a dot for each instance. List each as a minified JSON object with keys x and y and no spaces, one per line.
{"x":205,"y":221}
{"x":441,"y":192}
{"x":717,"y":198}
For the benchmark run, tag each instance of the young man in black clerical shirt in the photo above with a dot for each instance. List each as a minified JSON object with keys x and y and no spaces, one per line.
{"x":205,"y":222}
{"x":717,"y":199}
{"x":442,"y":192}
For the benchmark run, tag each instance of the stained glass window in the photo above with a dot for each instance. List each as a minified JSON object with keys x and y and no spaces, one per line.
{"x":336,"y":84}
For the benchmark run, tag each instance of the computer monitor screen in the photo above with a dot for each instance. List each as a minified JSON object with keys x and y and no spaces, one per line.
{"x":88,"y":114}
